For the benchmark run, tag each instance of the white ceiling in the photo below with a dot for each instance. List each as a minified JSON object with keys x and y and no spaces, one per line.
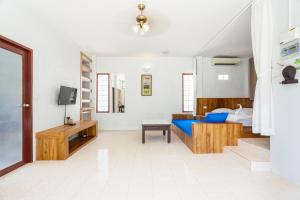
{"x":180,"y":27}
{"x":235,"y":40}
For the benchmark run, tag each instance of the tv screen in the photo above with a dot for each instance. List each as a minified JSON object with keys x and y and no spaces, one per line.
{"x":67,"y":96}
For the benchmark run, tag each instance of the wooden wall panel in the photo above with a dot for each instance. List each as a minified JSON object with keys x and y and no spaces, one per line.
{"x":182,"y":116}
{"x":208,"y":104}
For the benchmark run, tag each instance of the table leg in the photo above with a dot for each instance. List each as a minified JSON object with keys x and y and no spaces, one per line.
{"x":143,"y":136}
{"x":169,"y":135}
{"x":164,"y":132}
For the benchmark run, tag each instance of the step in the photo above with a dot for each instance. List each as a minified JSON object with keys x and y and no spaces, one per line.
{"x":259,"y":142}
{"x":253,"y":152}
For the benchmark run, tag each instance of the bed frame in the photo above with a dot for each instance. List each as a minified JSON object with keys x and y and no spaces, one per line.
{"x":208,"y":137}
{"x":209,"y":104}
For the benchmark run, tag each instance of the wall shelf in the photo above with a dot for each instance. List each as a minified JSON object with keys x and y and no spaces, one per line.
{"x":85,"y":58}
{"x":86,"y":112}
{"x":86,"y":90}
{"x":86,"y":95}
{"x":87,"y":109}
{"x":86,"y":100}
{"x":86,"y":69}
{"x":85,"y":79}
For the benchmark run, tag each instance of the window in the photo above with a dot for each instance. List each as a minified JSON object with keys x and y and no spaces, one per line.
{"x":187,"y":92}
{"x":103,"y":92}
{"x":223,"y":77}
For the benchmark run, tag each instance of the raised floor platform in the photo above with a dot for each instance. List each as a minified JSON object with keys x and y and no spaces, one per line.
{"x":255,"y":152}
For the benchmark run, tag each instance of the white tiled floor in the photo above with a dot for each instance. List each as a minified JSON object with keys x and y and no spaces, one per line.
{"x":118,"y":166}
{"x":252,"y":149}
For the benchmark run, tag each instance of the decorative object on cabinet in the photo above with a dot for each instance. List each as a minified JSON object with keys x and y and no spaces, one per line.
{"x":289,"y":73}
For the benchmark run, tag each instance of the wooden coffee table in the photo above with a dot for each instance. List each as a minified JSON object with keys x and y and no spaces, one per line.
{"x":156,"y":125}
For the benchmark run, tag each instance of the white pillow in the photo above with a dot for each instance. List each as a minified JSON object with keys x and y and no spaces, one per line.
{"x":244,"y":111}
{"x":223,"y":110}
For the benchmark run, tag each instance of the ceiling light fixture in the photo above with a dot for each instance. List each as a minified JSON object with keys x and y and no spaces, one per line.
{"x":141,"y":26}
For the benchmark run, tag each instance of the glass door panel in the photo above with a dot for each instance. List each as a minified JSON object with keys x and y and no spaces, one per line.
{"x":11,"y":109}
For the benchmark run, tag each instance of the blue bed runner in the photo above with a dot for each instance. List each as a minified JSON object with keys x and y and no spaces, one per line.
{"x":185,"y":125}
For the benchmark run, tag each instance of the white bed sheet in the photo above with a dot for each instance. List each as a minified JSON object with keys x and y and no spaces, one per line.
{"x":241,"y":115}
{"x":244,"y":121}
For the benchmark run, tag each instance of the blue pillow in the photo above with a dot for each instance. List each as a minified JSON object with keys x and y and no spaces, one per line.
{"x":216,"y":117}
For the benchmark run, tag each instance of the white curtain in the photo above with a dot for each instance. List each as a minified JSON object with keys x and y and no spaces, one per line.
{"x":261,"y":27}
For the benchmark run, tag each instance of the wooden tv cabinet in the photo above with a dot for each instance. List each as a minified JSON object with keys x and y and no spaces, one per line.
{"x":61,"y":142}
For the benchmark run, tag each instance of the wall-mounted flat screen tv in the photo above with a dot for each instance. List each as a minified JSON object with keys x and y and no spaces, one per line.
{"x":67,"y":95}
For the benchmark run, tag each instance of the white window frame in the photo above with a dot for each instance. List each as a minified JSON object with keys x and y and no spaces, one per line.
{"x":223,"y":77}
{"x":104,"y":88}
{"x":187,"y":92}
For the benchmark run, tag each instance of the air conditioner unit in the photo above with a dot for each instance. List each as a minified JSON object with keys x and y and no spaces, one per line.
{"x":290,"y":36}
{"x":226,"y":61}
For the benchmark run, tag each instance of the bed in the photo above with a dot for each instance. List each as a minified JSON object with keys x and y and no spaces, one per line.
{"x":203,"y":137}
{"x":205,"y":105}
{"x":239,"y":115}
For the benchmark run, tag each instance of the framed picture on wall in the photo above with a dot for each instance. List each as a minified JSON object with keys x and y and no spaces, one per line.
{"x":146,"y":85}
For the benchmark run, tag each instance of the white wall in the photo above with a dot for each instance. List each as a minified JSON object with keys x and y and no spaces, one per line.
{"x":209,"y":86}
{"x":166,"y":95}
{"x":285,"y":144}
{"x":294,"y":13}
{"x":55,"y":62}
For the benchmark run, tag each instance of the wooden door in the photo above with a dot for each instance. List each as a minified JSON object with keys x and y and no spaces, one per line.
{"x":15,"y":105}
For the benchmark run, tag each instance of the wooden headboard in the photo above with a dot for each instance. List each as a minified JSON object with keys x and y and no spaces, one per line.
{"x":208,"y":104}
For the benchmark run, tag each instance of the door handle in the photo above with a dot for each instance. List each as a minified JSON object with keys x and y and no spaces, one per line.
{"x":26,"y":105}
